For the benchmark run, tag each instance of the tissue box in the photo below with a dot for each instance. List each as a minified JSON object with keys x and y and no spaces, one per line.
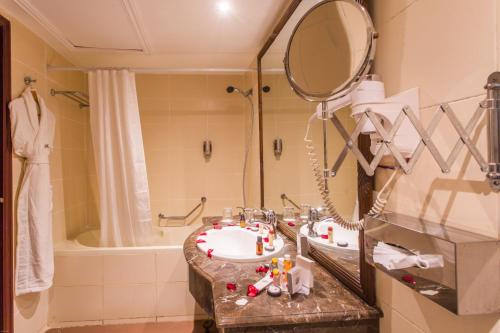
{"x":468,"y":281}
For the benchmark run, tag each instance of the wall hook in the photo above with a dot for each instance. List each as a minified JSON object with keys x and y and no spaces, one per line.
{"x":28,"y":80}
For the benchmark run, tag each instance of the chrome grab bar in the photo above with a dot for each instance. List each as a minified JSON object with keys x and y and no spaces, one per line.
{"x":162,"y":216}
{"x":285,"y":198}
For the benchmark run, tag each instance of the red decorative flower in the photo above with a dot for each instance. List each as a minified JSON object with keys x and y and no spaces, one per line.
{"x":408,"y":279}
{"x":248,"y":228}
{"x":215,"y":223}
{"x":257,"y":225}
{"x":231,"y":286}
{"x":266,"y":239}
{"x":198,"y":241}
{"x":324,"y":236}
{"x":217,"y":227}
{"x":209,"y":253}
{"x":262,"y":269}
{"x":252,"y":291}
{"x":203,"y":233}
{"x":291,"y":224}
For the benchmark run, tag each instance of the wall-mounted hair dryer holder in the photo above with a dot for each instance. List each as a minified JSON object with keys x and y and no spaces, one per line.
{"x":387,"y":145}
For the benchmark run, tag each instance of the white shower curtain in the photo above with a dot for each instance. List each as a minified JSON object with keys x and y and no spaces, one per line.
{"x":115,"y":125}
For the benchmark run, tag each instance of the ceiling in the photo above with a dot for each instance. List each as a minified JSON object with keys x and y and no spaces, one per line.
{"x":152,"y":33}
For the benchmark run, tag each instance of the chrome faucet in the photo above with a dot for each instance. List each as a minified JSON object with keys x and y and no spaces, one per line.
{"x":312,"y":220}
{"x":271,"y":219}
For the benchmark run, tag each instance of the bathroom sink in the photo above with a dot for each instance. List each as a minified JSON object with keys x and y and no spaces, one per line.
{"x":340,"y":235}
{"x":233,"y":243}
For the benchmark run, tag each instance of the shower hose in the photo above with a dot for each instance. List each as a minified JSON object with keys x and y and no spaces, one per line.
{"x":247,"y":149}
{"x":378,"y":206}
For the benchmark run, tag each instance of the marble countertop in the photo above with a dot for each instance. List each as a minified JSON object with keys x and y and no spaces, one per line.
{"x":330,"y":301}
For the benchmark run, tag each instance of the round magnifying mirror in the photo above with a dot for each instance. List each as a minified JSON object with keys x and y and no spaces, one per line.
{"x":330,"y":50}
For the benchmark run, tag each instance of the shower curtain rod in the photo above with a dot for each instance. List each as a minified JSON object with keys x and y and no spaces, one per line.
{"x":155,"y":70}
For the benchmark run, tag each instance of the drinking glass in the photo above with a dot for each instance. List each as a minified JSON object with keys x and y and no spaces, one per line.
{"x":249,"y":215}
{"x":288,"y":214}
{"x":227,"y":214}
{"x":304,"y":211}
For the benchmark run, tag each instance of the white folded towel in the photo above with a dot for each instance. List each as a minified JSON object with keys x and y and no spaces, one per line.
{"x":393,"y":257}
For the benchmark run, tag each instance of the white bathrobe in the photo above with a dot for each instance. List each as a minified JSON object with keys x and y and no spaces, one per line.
{"x":32,"y":139}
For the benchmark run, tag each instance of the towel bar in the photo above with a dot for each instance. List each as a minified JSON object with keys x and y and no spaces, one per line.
{"x":181,"y":220}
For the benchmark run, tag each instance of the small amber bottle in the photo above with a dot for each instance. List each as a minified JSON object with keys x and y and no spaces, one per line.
{"x":243,"y":223}
{"x":287,"y":263}
{"x":259,"y":246}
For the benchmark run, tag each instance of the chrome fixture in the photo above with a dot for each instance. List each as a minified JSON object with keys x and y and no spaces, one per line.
{"x":231,"y":89}
{"x":179,"y":221}
{"x":467,"y":281}
{"x":284,"y":197}
{"x":313,"y":219}
{"x":271,"y":219}
{"x":492,"y":167}
{"x":28,"y":80}
{"x":81,"y":98}
{"x":277,"y":148}
{"x":207,"y":149}
{"x":492,"y":105}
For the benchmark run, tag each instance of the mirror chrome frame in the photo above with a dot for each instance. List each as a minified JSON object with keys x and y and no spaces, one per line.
{"x":360,"y":71}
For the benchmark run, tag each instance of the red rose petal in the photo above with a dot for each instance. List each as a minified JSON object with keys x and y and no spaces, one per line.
{"x":198,"y":241}
{"x":324,"y":236}
{"x":231,"y":225}
{"x":252,"y":291}
{"x":257,"y":225}
{"x":215,"y":223}
{"x":217,"y":227}
{"x":231,"y":286}
{"x":248,"y":228}
{"x":266,"y":239}
{"x":291,"y":224}
{"x":203,"y":233}
{"x":408,"y":279}
{"x":209,"y":253}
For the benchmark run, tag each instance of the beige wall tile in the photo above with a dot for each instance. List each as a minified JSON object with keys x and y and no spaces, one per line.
{"x":129,"y":301}
{"x":185,"y":304}
{"x":31,"y":312}
{"x":447,"y":59}
{"x":78,"y":270}
{"x":171,"y":266}
{"x":117,"y":268}
{"x":64,"y":308}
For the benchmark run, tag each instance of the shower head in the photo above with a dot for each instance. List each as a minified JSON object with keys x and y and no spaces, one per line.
{"x":231,"y":89}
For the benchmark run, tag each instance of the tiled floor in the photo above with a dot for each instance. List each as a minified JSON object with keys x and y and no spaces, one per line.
{"x":165,"y":327}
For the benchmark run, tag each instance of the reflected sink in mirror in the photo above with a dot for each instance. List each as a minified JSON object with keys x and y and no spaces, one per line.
{"x":236,"y":244}
{"x":340,"y":235}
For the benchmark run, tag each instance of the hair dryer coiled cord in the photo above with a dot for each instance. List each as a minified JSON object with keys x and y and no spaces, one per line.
{"x":377,"y":208}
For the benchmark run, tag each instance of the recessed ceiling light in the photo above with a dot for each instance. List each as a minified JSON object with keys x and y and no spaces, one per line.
{"x":223,"y":7}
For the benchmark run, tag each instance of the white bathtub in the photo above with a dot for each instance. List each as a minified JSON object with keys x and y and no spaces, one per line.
{"x":95,"y":285}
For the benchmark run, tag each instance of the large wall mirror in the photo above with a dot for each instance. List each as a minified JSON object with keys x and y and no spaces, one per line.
{"x":290,"y":92}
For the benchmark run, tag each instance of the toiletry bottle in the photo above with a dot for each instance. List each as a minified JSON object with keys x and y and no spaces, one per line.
{"x":287,"y":264}
{"x":261,"y":228}
{"x":274,"y":264}
{"x":243,"y":223}
{"x":271,"y":237}
{"x":284,"y":281}
{"x":276,"y":277}
{"x":330,"y":234}
{"x":259,"y":246}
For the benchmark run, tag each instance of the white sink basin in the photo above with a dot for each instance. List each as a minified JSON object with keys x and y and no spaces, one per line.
{"x":237,"y":244}
{"x":339,"y":235}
